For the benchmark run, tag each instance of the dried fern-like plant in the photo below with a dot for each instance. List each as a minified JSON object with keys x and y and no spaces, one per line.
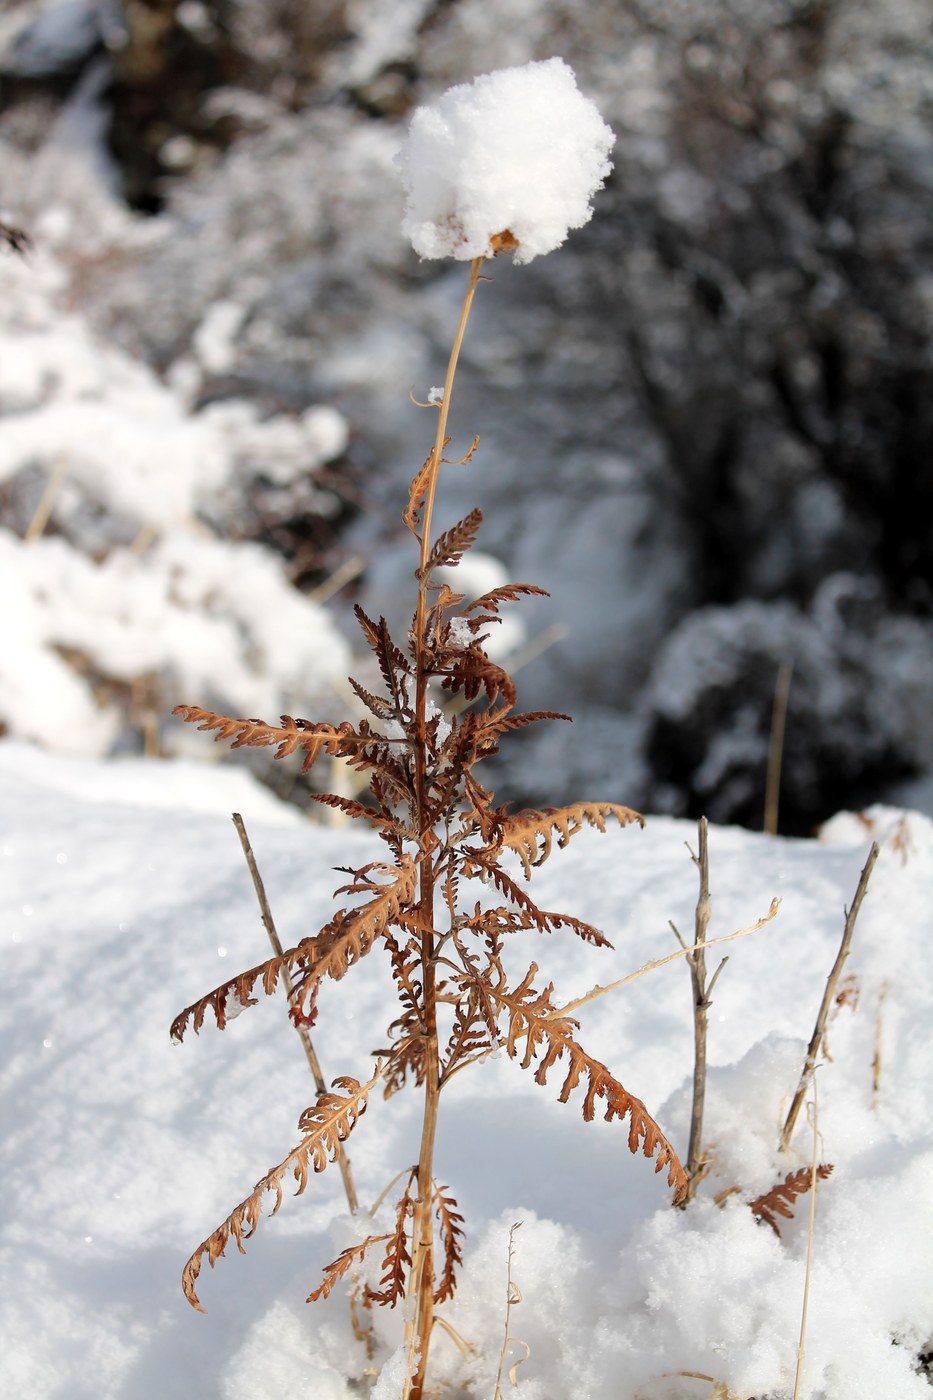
{"x":442,"y":829}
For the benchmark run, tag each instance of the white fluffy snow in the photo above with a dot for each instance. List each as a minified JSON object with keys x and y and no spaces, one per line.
{"x":124,"y":896}
{"x":517,"y":152}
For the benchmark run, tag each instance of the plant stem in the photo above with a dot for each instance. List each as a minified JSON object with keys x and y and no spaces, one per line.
{"x":697,"y":962}
{"x":314,"y":1063}
{"x":421,"y":1286}
{"x":475,"y":268}
{"x":816,"y":1039}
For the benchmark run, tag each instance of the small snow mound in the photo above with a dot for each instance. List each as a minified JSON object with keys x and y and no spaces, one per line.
{"x":509,"y":162}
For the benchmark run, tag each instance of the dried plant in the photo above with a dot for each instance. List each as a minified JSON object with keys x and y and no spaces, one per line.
{"x":441,"y":707}
{"x":443,"y":829}
{"x":780,"y":1200}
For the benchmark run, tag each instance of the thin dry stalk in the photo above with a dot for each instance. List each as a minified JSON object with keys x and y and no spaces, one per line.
{"x":49,"y":496}
{"x":685,"y":951}
{"x":702,"y":993}
{"x":314,"y":1063}
{"x":349,"y":570}
{"x":814,"y":1177}
{"x":513,"y":1295}
{"x":418,"y":1327}
{"x":776,"y":747}
{"x":816,"y":1040}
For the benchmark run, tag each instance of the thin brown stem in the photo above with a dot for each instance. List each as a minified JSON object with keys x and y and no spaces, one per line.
{"x":421,"y":1288}
{"x":819,"y":1030}
{"x":696,"y":959}
{"x":811,"y":1230}
{"x":314,"y":1063}
{"x":513,"y":1295}
{"x":444,"y":410}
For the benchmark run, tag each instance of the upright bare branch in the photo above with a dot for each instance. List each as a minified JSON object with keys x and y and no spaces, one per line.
{"x":314,"y":1063}
{"x":816,"y":1039}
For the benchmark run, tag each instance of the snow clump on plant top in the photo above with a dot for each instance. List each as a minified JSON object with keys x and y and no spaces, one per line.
{"x":509,"y":162}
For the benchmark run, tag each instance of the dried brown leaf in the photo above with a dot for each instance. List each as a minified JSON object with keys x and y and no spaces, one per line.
{"x":450,"y":547}
{"x":291,"y":736}
{"x":450,"y":1222}
{"x":327,"y":1124}
{"x":781,"y":1198}
{"x":348,"y":937}
{"x":397,"y":1261}
{"x":530,"y":833}
{"x":342,"y":1264}
{"x":548,"y":1039}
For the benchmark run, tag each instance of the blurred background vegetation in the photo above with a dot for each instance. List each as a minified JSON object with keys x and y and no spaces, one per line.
{"x":706,"y":421}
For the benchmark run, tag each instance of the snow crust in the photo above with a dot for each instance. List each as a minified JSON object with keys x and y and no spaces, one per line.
{"x":124,"y":895}
{"x":518,"y":152}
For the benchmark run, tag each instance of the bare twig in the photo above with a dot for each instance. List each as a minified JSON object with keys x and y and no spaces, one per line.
{"x":50,"y":495}
{"x":685,"y":951}
{"x":343,"y":1160}
{"x":696,"y":958}
{"x":816,"y":1040}
{"x":776,"y":746}
{"x":513,"y":1295}
{"x":349,"y":570}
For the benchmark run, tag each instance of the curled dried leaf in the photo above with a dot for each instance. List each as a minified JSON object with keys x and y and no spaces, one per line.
{"x":530,"y":833}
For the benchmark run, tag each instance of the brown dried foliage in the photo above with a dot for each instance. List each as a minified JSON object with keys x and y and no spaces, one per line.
{"x":780,"y":1200}
{"x":326,"y":1124}
{"x":446,"y":952}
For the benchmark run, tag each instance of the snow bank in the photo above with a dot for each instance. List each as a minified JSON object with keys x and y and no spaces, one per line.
{"x":124,"y":895}
{"x":510,"y":161}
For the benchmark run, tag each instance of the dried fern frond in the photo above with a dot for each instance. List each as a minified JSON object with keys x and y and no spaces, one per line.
{"x":418,"y":490}
{"x":469,"y":669}
{"x":348,"y":937}
{"x":393,"y":663}
{"x":386,"y":824}
{"x":548,"y":1039}
{"x":781,"y":1198}
{"x":451,"y":546}
{"x":470,"y":1036}
{"x":377,"y":704}
{"x":291,"y":736}
{"x":397,"y":1261}
{"x":450,"y":1223}
{"x":492,"y":601}
{"x":526,"y":914}
{"x":530,"y":833}
{"x":497,"y":723}
{"x":335,"y":1271}
{"x":327,"y":1123}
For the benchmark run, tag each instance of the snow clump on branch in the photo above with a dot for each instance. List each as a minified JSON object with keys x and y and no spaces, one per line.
{"x":507,"y":163}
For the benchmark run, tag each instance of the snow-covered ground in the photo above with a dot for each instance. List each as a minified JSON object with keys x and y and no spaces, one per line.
{"x":125,"y":896}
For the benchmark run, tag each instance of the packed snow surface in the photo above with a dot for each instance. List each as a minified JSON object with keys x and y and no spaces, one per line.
{"x":125,"y":896}
{"x":516,"y":155}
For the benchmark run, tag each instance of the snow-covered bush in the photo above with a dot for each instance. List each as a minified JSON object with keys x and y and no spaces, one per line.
{"x":125,"y":515}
